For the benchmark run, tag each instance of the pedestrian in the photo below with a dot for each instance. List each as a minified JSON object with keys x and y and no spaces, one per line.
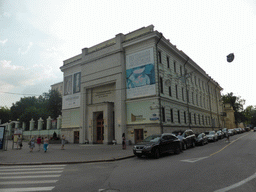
{"x":123,"y":141}
{"x":19,"y":142}
{"x":46,"y":143}
{"x":32,"y":144}
{"x":63,"y":142}
{"x":227,"y":135}
{"x":39,"y":141}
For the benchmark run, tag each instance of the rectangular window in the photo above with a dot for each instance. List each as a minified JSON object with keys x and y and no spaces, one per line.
{"x":188,"y":95}
{"x":206,"y":120}
{"x":201,"y":101}
{"x":161,"y":85}
{"x":171,"y":115}
{"x":203,"y":119}
{"x":199,"y":119}
{"x":193,"y":98}
{"x":178,"y":116}
{"x":168,"y":62}
{"x":176,"y":87}
{"x":174,"y":66}
{"x":196,"y":100}
{"x":159,"y":57}
{"x":190,"y":117}
{"x":185,"y":117}
{"x":170,"y":91}
{"x":195,"y":118}
{"x":195,"y":81}
{"x":182,"y":89}
{"x":180,"y":70}
{"x":163,"y":114}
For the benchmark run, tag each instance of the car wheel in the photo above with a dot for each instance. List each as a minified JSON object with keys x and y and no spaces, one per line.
{"x":156,"y":154}
{"x":202,"y":143}
{"x":193,"y":144}
{"x":178,"y":150}
{"x":139,"y":155}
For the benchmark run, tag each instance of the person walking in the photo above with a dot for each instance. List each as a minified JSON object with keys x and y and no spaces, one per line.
{"x":46,"y":143}
{"x":39,"y":142}
{"x":227,"y":135}
{"x":19,"y":142}
{"x":32,"y":144}
{"x":123,"y":141}
{"x":62,"y":142}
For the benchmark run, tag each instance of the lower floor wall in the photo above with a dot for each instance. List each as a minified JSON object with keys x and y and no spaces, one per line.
{"x":42,"y":133}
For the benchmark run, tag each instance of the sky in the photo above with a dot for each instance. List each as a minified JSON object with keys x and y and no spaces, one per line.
{"x":37,"y":36}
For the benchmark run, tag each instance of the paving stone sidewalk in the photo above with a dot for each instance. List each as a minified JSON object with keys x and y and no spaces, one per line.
{"x":73,"y":153}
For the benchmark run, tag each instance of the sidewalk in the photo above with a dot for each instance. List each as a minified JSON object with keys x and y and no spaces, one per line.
{"x":73,"y":153}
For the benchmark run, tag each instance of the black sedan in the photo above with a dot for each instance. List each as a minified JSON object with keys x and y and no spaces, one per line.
{"x":201,"y":139}
{"x":155,"y":145}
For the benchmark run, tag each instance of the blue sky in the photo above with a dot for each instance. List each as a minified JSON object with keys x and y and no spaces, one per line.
{"x":37,"y":36}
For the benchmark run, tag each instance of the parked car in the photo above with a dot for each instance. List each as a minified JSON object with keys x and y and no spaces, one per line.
{"x":220,"y":134}
{"x":254,"y":129}
{"x":212,"y":136}
{"x":155,"y":145}
{"x":230,"y":132}
{"x":201,"y":139}
{"x":238,"y":130}
{"x":188,"y":138}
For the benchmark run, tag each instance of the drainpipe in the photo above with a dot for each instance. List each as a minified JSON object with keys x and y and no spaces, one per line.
{"x":187,"y":92}
{"x":210,"y":101}
{"x":159,"y":94}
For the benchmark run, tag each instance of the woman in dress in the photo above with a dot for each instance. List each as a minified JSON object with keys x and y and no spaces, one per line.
{"x":123,"y":141}
{"x":63,"y":142}
{"x":32,"y":144}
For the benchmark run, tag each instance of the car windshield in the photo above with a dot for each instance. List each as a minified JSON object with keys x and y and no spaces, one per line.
{"x":199,"y":136}
{"x":211,"y":133}
{"x":152,"y":138}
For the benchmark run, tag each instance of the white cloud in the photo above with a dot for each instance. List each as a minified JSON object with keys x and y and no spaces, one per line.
{"x":16,"y":76}
{"x":3,"y":42}
{"x":20,"y":52}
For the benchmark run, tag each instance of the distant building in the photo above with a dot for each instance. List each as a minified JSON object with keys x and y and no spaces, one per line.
{"x":58,"y":87}
{"x":138,"y":84}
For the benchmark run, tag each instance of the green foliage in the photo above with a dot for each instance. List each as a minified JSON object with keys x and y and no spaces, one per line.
{"x":250,"y":114}
{"x":48,"y":104}
{"x":5,"y":114}
{"x":237,"y":103}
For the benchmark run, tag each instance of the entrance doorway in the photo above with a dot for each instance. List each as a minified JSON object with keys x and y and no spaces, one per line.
{"x":138,"y":135}
{"x":100,"y":128}
{"x":76,"y":136}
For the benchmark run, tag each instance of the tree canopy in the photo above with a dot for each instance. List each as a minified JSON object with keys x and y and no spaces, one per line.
{"x":237,"y":103}
{"x":48,"y":104}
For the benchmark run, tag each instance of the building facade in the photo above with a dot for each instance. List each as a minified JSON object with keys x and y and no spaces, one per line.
{"x":138,"y":84}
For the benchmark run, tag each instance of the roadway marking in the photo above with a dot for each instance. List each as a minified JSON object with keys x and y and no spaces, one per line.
{"x":228,"y":145}
{"x":237,"y":184}
{"x":30,"y":176}
{"x":26,"y":182}
{"x":193,"y":160}
{"x":27,"y":189}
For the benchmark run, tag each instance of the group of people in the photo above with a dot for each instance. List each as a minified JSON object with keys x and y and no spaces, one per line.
{"x":39,"y":141}
{"x":45,"y":141}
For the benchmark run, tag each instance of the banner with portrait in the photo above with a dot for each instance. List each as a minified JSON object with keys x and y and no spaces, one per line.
{"x":140,"y":74}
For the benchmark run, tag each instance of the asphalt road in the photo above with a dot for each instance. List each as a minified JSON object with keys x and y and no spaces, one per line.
{"x":215,"y":167}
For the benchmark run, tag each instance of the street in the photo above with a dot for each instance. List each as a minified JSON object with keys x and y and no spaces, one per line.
{"x":216,"y":167}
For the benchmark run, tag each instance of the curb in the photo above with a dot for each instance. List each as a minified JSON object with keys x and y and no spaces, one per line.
{"x":67,"y":162}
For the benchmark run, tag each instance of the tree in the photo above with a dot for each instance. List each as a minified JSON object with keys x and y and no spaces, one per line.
{"x":5,"y":114}
{"x":54,"y":103}
{"x":250,"y":114}
{"x":237,"y":103}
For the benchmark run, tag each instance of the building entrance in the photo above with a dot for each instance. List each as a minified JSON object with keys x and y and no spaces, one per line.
{"x":138,"y":135}
{"x":100,"y":128}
